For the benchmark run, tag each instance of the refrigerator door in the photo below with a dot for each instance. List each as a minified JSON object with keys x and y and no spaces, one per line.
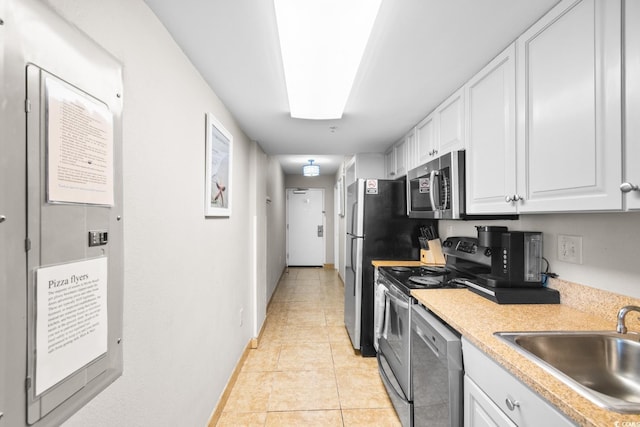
{"x":353,"y":263}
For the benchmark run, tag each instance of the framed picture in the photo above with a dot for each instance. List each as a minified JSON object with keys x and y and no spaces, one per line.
{"x":219,"y":156}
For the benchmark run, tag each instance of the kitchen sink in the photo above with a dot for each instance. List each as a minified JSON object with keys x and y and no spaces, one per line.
{"x":602,"y":366}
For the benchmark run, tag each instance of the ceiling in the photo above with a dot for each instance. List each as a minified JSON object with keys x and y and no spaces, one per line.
{"x":420,"y":51}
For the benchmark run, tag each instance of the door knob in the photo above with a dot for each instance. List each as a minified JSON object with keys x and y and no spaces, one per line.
{"x":627,"y":187}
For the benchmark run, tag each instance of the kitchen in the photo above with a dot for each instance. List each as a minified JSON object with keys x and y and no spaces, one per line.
{"x":173,"y":334}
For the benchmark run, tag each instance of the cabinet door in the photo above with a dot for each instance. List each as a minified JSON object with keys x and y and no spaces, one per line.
{"x":426,"y":139}
{"x":569,"y":109}
{"x":401,"y":157}
{"x":479,"y":410}
{"x":491,"y":136}
{"x":390,"y":163}
{"x":412,"y":159}
{"x":632,"y":92}
{"x":451,"y":124}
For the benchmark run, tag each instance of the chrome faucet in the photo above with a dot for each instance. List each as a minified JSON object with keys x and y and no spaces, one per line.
{"x":621,"y":328}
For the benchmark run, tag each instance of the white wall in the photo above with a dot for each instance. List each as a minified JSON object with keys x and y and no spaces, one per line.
{"x":186,"y":276}
{"x":326,"y":182}
{"x":610,"y":246}
{"x":276,"y":231}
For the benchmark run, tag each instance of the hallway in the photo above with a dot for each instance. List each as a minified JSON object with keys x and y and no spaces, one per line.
{"x":305,"y":372}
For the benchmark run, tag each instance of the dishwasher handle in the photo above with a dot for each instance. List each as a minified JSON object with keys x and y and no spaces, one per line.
{"x":426,"y":340}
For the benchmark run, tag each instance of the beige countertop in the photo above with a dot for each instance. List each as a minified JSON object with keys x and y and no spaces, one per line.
{"x":477,"y":318}
{"x":386,"y":263}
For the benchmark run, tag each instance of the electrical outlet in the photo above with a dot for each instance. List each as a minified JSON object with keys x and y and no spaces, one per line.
{"x":570,"y":249}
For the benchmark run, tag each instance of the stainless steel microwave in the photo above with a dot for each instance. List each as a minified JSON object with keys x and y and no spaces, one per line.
{"x":437,"y":189}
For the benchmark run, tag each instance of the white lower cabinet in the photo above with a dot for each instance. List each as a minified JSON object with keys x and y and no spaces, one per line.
{"x":479,"y":410}
{"x":494,"y":397}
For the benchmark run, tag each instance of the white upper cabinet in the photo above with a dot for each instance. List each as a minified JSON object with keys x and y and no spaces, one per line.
{"x":399,"y":158}
{"x":390,"y":163}
{"x":441,"y":131}
{"x":450,"y":115}
{"x":491,"y":136}
{"x":426,"y":145}
{"x":632,"y":106}
{"x":569,"y":109}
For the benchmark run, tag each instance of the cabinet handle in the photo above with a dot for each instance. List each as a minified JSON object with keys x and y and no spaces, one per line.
{"x":517,"y":197}
{"x":508,"y":198}
{"x":512,"y":198}
{"x":627,"y":187}
{"x":511,"y":404}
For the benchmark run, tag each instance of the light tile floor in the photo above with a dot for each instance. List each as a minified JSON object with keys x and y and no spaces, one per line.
{"x":305,"y":371}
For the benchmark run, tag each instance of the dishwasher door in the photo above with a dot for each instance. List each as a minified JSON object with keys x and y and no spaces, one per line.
{"x":436,"y":369}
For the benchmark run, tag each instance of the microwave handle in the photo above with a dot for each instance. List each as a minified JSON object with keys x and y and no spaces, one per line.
{"x":434,"y":189}
{"x":446,"y":193}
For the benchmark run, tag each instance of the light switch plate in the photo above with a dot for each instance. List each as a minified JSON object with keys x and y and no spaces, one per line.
{"x":570,"y":248}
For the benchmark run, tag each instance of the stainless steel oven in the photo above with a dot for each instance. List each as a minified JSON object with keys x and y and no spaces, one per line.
{"x":419,"y":357}
{"x":394,"y":352}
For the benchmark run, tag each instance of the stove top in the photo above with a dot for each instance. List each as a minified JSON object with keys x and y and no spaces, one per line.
{"x":408,"y":278}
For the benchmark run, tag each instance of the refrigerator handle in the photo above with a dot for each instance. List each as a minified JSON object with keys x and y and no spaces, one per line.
{"x":354,"y":211}
{"x":355,"y":279}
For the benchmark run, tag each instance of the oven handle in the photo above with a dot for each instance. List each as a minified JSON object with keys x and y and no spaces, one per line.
{"x":386,"y":379}
{"x":402,"y":302}
{"x":426,"y":340}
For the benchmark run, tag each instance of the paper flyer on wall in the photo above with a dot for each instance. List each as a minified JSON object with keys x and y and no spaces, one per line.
{"x":79,"y":147}
{"x":71,"y":319}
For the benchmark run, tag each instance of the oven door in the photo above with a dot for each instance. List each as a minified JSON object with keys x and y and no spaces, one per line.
{"x":394,"y":344}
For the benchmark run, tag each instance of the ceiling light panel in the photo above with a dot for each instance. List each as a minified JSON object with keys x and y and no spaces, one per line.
{"x":322,"y":44}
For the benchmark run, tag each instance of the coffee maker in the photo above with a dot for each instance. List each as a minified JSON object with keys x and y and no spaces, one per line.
{"x":516,"y":256}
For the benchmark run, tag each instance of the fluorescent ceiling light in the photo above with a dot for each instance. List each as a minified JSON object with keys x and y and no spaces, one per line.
{"x":322,"y":44}
{"x":311,"y":169}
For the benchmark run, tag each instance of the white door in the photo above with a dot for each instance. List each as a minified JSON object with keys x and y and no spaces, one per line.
{"x":305,"y":227}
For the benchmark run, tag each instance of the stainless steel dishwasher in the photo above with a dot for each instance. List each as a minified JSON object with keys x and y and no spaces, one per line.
{"x":436,"y":371}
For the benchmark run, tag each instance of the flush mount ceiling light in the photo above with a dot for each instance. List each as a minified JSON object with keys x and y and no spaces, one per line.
{"x":322,"y":43}
{"x":311,"y":169}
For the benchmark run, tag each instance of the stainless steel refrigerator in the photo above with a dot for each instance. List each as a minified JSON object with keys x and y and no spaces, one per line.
{"x":378,"y":228}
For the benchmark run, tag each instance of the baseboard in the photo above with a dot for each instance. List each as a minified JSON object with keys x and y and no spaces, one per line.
{"x":329,"y":267}
{"x":217,"y":412}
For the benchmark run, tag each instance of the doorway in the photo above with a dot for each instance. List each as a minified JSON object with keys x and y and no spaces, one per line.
{"x":305,"y":227}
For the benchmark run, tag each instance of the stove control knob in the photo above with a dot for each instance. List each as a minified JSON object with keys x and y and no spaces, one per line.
{"x":447,"y":243}
{"x":487,"y":252}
